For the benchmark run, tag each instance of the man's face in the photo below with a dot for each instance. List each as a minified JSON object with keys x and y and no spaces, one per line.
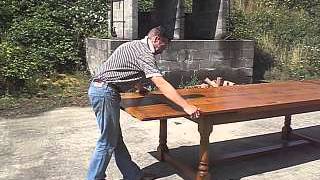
{"x":159,"y":44}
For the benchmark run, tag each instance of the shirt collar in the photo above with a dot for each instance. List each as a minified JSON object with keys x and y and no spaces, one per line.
{"x":150,"y":45}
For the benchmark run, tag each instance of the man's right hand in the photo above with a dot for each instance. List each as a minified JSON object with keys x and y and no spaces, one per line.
{"x":168,"y":90}
{"x":193,"y":111}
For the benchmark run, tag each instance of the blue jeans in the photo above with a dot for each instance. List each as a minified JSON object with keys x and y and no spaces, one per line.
{"x":105,"y":102}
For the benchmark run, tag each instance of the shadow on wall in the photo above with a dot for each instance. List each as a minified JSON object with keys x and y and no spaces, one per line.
{"x":262,"y":62}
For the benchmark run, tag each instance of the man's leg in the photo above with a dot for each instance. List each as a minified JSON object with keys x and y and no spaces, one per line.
{"x":106,"y":108}
{"x":129,"y":169}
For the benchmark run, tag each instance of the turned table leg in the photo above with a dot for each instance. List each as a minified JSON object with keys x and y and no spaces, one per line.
{"x":163,"y":148}
{"x":286,"y":129}
{"x":205,"y":129}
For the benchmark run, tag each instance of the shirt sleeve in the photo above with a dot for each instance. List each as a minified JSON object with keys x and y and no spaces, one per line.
{"x":148,"y":65}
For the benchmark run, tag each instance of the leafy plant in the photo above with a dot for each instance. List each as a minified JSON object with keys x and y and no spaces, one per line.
{"x":41,"y":38}
{"x":285,"y":30}
{"x":194,"y":80}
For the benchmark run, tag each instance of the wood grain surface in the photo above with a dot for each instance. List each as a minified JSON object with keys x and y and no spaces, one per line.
{"x":282,"y":97}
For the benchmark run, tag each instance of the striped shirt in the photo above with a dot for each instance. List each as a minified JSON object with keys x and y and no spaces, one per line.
{"x":130,"y":62}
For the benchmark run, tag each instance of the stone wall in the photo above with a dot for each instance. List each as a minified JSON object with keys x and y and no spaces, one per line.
{"x":184,"y":59}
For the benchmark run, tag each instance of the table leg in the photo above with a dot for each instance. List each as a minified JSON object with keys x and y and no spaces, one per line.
{"x":205,"y":129}
{"x":163,"y":148}
{"x":286,"y":129}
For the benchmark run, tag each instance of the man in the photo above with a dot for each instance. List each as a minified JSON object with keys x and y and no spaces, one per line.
{"x":129,"y":63}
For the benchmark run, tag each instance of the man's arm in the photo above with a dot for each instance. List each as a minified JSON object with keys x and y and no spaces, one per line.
{"x":170,"y":92}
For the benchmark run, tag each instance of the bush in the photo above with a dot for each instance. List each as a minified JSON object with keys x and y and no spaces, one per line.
{"x":41,"y":38}
{"x":286,"y":30}
{"x":15,"y":67}
{"x":148,"y":5}
{"x":47,"y":43}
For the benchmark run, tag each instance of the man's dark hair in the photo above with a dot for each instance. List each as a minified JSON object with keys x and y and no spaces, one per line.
{"x":159,"y":31}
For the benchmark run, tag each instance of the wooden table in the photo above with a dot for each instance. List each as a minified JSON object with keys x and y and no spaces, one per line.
{"x":227,"y":105}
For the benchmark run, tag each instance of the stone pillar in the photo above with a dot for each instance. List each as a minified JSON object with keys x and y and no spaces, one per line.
{"x":179,"y":24}
{"x":204,"y":18}
{"x":125,"y":18}
{"x":165,"y":14}
{"x":221,"y":28}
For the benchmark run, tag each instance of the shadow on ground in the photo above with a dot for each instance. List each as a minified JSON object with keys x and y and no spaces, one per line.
{"x":238,"y":169}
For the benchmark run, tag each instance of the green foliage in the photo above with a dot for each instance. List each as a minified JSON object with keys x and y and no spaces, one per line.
{"x":288,"y":31}
{"x":39,"y":38}
{"x":46,"y":42}
{"x":15,"y":66}
{"x":194,"y":80}
{"x":6,"y":15}
{"x":12,"y":64}
{"x":147,"y":5}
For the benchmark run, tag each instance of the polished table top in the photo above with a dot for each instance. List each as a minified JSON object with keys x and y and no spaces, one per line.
{"x":226,"y":99}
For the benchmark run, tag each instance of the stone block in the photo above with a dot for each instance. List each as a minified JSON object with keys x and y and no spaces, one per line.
{"x":116,"y":43}
{"x":238,"y":62}
{"x":169,"y":55}
{"x":243,"y":71}
{"x":91,"y":42}
{"x":224,"y":59}
{"x":195,"y":44}
{"x":177,"y":45}
{"x":218,"y":54}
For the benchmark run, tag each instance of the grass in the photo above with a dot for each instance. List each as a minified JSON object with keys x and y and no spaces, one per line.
{"x":297,"y":62}
{"x":194,"y":80}
{"x":57,"y":91}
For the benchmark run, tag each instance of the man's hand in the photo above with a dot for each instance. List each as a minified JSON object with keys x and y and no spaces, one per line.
{"x":193,"y":111}
{"x":168,"y":90}
{"x":141,"y":89}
